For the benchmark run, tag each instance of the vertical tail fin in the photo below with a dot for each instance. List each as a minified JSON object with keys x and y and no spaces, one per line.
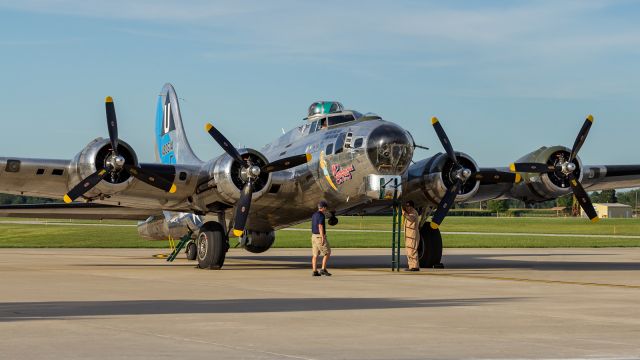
{"x":172,"y":145}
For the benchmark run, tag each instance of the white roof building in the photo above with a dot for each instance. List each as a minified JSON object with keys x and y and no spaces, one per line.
{"x":611,"y":210}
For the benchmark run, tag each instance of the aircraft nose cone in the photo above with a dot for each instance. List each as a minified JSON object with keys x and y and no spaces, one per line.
{"x":390,"y":149}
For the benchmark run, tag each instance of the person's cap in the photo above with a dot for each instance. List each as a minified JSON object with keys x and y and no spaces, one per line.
{"x":322,"y":204}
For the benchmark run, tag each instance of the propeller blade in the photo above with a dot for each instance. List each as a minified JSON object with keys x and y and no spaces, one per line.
{"x":583,"y":198}
{"x":497,"y":177}
{"x":112,"y":123}
{"x":444,"y":139}
{"x":85,"y":185}
{"x":532,"y":168}
{"x":287,"y":163}
{"x":151,"y":178}
{"x":242,"y":209}
{"x":582,"y":136}
{"x":223,"y":142}
{"x":445,"y":205}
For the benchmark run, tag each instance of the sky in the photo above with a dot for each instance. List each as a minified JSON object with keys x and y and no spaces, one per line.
{"x":503,"y":77}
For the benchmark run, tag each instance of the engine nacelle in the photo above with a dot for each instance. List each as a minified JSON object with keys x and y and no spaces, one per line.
{"x":175,"y":226}
{"x":430,"y":179}
{"x":94,"y":157}
{"x":542,"y":187}
{"x":154,"y":228}
{"x":229,"y":177}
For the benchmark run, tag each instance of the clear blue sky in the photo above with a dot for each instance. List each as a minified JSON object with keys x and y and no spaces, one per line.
{"x":504,"y":77}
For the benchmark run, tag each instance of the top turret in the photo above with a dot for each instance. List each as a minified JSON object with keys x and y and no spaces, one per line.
{"x":323,"y":108}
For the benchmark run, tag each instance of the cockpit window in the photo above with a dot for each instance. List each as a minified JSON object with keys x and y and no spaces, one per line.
{"x":313,"y":127}
{"x":322,"y":124}
{"x":339,"y":119}
{"x":357,"y":143}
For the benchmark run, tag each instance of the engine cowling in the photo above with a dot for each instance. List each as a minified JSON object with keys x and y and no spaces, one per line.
{"x":541,"y":187}
{"x":229,"y":177}
{"x":94,"y":156}
{"x":430,"y":179}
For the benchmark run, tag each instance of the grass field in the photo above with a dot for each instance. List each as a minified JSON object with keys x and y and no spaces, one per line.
{"x":374,"y":232}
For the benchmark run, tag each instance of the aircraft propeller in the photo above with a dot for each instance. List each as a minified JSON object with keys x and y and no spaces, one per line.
{"x":115,"y":163}
{"x":566,"y":169}
{"x":251,"y":172}
{"x":462,"y":175}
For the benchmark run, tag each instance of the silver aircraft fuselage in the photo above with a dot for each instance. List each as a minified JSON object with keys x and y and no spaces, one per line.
{"x":353,"y":163}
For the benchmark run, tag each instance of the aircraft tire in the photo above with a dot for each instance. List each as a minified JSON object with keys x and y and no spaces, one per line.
{"x":430,"y":247}
{"x":260,"y":242}
{"x":192,"y":251}
{"x":212,"y":246}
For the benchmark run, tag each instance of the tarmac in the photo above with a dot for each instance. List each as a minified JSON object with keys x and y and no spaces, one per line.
{"x":486,"y":303}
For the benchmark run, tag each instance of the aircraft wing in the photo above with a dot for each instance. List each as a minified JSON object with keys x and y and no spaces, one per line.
{"x":54,"y":178}
{"x":85,"y":211}
{"x":604,"y":177}
{"x":34,"y":177}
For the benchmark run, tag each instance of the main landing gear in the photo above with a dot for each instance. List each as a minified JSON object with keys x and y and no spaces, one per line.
{"x":212,"y":246}
{"x":430,"y":247}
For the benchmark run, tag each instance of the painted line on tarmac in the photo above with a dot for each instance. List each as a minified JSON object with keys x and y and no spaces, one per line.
{"x":28,"y":222}
{"x":507,"y":278}
{"x":487,"y":233}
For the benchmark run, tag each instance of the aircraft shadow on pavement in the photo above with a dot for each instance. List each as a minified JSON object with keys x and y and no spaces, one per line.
{"x":22,"y":311}
{"x":452,"y":261}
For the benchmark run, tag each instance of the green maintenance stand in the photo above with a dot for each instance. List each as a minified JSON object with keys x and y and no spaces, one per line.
{"x":396,"y":234}
{"x":183,"y":241}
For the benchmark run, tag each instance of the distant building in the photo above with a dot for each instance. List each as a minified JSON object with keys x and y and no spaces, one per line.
{"x":610,"y":210}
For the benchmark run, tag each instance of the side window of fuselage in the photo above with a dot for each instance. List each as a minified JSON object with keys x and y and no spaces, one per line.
{"x":340,"y":143}
{"x":329,"y":149}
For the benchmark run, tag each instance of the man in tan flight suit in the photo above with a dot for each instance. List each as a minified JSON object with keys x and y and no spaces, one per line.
{"x":411,"y":236}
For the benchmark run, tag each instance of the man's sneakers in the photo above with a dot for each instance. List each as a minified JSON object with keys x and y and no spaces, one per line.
{"x":321,"y":272}
{"x":324,"y":272}
{"x":412,"y":269}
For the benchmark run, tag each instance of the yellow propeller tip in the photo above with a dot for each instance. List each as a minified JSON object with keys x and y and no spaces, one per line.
{"x":518,"y":178}
{"x":67,"y":199}
{"x":208,"y":127}
{"x":309,"y":157}
{"x":434,"y":120}
{"x":595,"y":219}
{"x":590,"y":117}
{"x":237,"y":232}
{"x":434,"y":225}
{"x":109,"y":99}
{"x":173,"y":188}
{"x":512,"y":167}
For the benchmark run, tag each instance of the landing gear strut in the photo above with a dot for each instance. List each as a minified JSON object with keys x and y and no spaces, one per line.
{"x":430,"y":247}
{"x":212,"y":244}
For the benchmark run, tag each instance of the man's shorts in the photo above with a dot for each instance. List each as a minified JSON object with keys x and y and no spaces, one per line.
{"x":317,"y":248}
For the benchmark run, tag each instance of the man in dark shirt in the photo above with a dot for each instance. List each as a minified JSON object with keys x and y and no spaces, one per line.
{"x":319,"y":243}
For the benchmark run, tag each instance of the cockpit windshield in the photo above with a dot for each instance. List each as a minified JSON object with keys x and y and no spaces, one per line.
{"x":340,"y":119}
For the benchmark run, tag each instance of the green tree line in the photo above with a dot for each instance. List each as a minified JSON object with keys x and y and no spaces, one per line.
{"x":6,"y":199}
